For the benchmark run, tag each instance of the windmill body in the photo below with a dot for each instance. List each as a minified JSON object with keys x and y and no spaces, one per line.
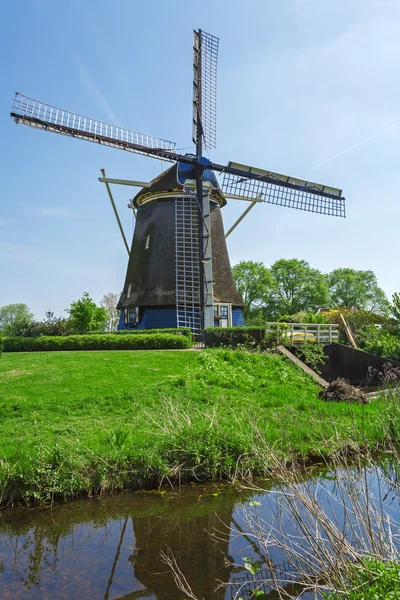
{"x":178,"y":272}
{"x":163,"y":282}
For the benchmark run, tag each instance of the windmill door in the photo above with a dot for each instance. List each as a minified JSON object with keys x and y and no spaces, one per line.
{"x":222,"y":315}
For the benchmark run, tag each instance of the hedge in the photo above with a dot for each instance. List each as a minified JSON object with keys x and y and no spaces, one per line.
{"x":234,"y":336}
{"x":96,"y":342}
{"x":181,"y":331}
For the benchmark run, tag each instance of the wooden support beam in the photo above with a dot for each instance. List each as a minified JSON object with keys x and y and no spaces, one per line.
{"x":303,"y":366}
{"x":348,"y":332}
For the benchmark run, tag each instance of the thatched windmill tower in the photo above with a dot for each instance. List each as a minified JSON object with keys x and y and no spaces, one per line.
{"x":178,"y":272}
{"x":162,"y":286}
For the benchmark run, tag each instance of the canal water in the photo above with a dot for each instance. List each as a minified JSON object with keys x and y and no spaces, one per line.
{"x":112,"y":548}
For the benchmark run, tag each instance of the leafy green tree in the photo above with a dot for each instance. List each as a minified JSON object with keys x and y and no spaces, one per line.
{"x":349,"y":287}
{"x":15,"y":319}
{"x":395,"y":307}
{"x":297,"y":287}
{"x":254,"y":283}
{"x":86,"y":316}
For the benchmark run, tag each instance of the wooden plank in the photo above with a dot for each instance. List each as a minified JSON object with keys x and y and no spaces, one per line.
{"x":348,"y":332}
{"x":303,"y":366}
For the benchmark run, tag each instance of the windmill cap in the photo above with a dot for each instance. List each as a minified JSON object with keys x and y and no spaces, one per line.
{"x":174,"y":179}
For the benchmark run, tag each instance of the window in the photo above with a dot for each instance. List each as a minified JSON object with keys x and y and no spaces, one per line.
{"x":131,"y":315}
{"x":128,"y":293}
{"x":222,"y":315}
{"x":147,"y":246}
{"x":223,"y":312}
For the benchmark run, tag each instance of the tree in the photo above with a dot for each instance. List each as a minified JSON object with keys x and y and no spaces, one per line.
{"x":254,"y":283}
{"x":15,"y":319}
{"x":297,"y":287}
{"x":110,"y":301}
{"x":395,"y":307}
{"x":86,"y":316}
{"x":349,"y":287}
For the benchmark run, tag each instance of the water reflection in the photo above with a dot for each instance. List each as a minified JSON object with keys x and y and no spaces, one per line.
{"x":111,"y":548}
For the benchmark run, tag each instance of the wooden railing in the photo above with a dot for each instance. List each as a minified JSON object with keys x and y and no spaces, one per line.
{"x":297,"y":333}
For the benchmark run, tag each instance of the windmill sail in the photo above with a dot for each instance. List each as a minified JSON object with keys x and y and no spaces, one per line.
{"x":28,"y":111}
{"x":249,"y":183}
{"x":205,"y":58}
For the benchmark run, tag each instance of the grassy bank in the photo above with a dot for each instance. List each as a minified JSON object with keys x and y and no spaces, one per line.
{"x":82,"y":423}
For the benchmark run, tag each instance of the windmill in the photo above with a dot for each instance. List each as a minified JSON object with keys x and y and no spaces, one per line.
{"x":178,"y":272}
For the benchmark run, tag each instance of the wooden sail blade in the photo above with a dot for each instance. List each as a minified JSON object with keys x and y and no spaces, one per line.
{"x":28,"y":111}
{"x":205,"y":60}
{"x":283,"y":190}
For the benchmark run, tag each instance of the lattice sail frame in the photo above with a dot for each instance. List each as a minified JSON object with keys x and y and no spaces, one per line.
{"x":290,"y":193}
{"x":28,"y":111}
{"x":205,"y":60}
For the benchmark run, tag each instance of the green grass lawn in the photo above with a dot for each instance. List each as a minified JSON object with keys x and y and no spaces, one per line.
{"x":74,"y":423}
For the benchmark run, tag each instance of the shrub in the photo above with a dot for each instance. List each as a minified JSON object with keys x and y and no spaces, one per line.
{"x":217,"y":337}
{"x":373,"y":580}
{"x":249,"y":337}
{"x":181,"y":331}
{"x":382,"y":343}
{"x":313,"y":355}
{"x":96,"y":342}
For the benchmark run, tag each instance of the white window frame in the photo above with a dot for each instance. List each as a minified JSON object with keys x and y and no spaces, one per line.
{"x":147,"y":245}
{"x":128,"y":294}
{"x":218,"y":316}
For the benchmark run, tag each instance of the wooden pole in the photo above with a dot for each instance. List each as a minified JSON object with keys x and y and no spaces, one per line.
{"x":348,"y":332}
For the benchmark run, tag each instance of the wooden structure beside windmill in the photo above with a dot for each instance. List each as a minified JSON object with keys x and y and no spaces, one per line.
{"x":178,"y":271}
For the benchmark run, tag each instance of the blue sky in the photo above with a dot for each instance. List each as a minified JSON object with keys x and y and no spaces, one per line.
{"x":305,"y":87}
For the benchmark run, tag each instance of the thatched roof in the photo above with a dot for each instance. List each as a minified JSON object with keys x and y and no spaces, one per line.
{"x":150,"y":277}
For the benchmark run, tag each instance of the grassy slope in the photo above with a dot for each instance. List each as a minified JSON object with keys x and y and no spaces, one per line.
{"x":81,"y":422}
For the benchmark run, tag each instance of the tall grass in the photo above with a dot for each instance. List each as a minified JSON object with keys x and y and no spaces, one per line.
{"x":337,"y":537}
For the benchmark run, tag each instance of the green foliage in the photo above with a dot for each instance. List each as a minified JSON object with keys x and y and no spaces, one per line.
{"x":292,"y":286}
{"x":349,"y":287}
{"x":297,"y":287}
{"x":233,"y":337}
{"x":85,"y":315}
{"x":15,"y":319}
{"x":51,"y":325}
{"x":96,"y":342}
{"x":254,"y":282}
{"x":313,"y":355}
{"x":304,"y":317}
{"x":251,"y":565}
{"x":380,"y":342}
{"x":371,"y":580}
{"x":394,"y":308}
{"x":173,"y":331}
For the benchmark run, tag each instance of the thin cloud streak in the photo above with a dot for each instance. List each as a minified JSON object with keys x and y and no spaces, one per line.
{"x":91,"y":88}
{"x":368,"y":139}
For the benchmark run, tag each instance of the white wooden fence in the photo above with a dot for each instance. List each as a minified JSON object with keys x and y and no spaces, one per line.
{"x":297,"y":333}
